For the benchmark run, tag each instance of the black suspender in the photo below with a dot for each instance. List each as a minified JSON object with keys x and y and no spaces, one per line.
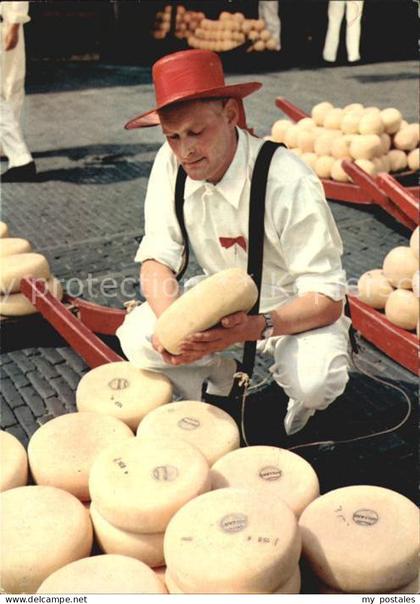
{"x":255,"y":231}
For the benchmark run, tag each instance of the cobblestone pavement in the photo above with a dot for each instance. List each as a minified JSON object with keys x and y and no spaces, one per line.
{"x":86,"y":216}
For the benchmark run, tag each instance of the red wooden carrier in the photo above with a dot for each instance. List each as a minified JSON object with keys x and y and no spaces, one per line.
{"x":384,"y":190}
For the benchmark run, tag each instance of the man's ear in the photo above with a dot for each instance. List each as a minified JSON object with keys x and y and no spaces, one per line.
{"x":232,"y":111}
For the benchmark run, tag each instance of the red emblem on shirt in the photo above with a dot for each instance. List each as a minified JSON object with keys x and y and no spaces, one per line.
{"x":228,"y":242}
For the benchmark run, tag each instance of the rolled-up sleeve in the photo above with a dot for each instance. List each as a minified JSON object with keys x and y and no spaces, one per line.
{"x":15,"y":12}
{"x":310,"y":241}
{"x":163,"y":239}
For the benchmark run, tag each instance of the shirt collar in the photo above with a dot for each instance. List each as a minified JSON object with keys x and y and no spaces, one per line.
{"x":232,"y":183}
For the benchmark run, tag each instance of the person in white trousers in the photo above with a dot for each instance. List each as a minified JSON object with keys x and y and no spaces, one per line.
{"x":12,"y":55}
{"x":353,"y":10}
{"x":269,"y":11}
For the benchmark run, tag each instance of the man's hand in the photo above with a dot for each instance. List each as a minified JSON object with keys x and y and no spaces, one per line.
{"x":232,"y":329}
{"x":11,"y":37}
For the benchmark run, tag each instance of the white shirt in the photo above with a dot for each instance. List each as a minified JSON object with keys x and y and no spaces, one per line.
{"x":302,"y":246}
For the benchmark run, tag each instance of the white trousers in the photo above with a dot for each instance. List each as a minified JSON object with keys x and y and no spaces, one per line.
{"x":12,"y":96}
{"x":353,"y":10}
{"x":269,"y":11}
{"x":311,"y":367}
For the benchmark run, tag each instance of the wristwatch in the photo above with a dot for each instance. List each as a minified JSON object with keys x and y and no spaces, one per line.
{"x":268,"y":328}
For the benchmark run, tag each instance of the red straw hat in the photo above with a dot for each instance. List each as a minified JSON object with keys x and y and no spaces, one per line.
{"x":185,"y":76}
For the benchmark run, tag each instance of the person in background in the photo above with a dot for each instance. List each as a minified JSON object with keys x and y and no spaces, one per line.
{"x":12,"y":55}
{"x":269,"y":11}
{"x":353,"y":10}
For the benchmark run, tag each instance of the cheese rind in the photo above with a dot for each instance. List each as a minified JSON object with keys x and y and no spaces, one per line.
{"x":274,"y":472}
{"x":139,"y":484}
{"x":232,"y":541}
{"x":122,"y":390}
{"x":210,"y":429}
{"x":104,"y":574}
{"x":15,"y":267}
{"x":147,"y":548}
{"x":14,"y":462}
{"x":411,"y":588}
{"x":62,"y":451}
{"x":42,"y":529}
{"x":17,"y":305}
{"x":204,"y":305}
{"x":13,"y":245}
{"x":362,"y":539}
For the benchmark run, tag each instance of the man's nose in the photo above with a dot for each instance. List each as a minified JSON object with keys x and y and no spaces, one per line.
{"x":187,"y":148}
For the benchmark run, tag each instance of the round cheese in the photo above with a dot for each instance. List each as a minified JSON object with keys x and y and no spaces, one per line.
{"x":17,"y":305}
{"x":374,"y":289}
{"x":411,"y":588}
{"x":350,"y":122}
{"x":210,"y":429}
{"x":305,"y":140}
{"x":122,"y":390}
{"x":310,"y":159}
{"x":4,"y":230}
{"x":414,"y":242}
{"x":320,"y":111}
{"x":385,"y":143}
{"x":15,"y":267}
{"x":399,"y":266}
{"x":397,"y":159}
{"x":42,"y":529}
{"x":323,"y":166}
{"x":340,"y":147}
{"x":406,"y":139}
{"x":333,"y":118}
{"x":415,"y":284}
{"x":413,"y":159}
{"x":371,"y":123}
{"x":104,"y":574}
{"x":362,"y":539}
{"x":232,"y":541}
{"x":292,"y":585}
{"x":13,"y":245}
{"x":291,"y":136}
{"x":279,"y":129}
{"x":306,"y":123}
{"x":139,"y":484}
{"x":402,"y":309}
{"x":204,"y":305}
{"x":338,"y":173}
{"x":61,"y":452}
{"x":113,"y":540}
{"x":365,"y":146}
{"x":354,"y":107}
{"x":275,"y":473}
{"x":392,"y":120}
{"x":14,"y":462}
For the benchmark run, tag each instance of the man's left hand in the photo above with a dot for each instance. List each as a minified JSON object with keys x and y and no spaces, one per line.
{"x":232,"y":329}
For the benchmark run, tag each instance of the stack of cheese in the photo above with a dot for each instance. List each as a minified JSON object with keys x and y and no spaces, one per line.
{"x":14,"y":462}
{"x":19,"y":261}
{"x":186,"y":22}
{"x":395,"y":287}
{"x":106,"y":574}
{"x":62,"y":451}
{"x":136,"y":487}
{"x":204,"y":426}
{"x":42,"y":528}
{"x":233,"y":541}
{"x":275,"y":473}
{"x":362,"y":539}
{"x":122,"y":390}
{"x":377,"y":140}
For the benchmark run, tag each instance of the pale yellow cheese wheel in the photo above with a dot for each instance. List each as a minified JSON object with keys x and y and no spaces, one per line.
{"x":204,"y":305}
{"x":365,"y":146}
{"x":4,"y":230}
{"x":354,"y":107}
{"x":415,"y":284}
{"x":103,"y":574}
{"x":306,"y":123}
{"x":232,"y":541}
{"x":42,"y":529}
{"x":15,"y":267}
{"x":402,"y":309}
{"x":14,"y":462}
{"x":406,"y":139}
{"x":210,"y":429}
{"x":340,"y":147}
{"x":306,"y":140}
{"x":323,"y":142}
{"x":122,"y":390}
{"x":350,"y":122}
{"x":291,"y":136}
{"x":338,"y":173}
{"x":411,"y":588}
{"x":385,"y":143}
{"x":399,"y":266}
{"x":62,"y":451}
{"x":319,"y":112}
{"x":392,"y":119}
{"x":139,"y":484}
{"x":366,"y":165}
{"x":17,"y":305}
{"x":333,"y":118}
{"x":398,"y":160}
{"x":292,"y":585}
{"x":413,"y":159}
{"x":13,"y":245}
{"x":279,"y":129}
{"x":323,"y":166}
{"x":374,"y":288}
{"x":362,"y":539}
{"x":310,"y":159}
{"x":371,"y":123}
{"x":274,"y":472}
{"x":112,"y":540}
{"x":414,"y":242}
